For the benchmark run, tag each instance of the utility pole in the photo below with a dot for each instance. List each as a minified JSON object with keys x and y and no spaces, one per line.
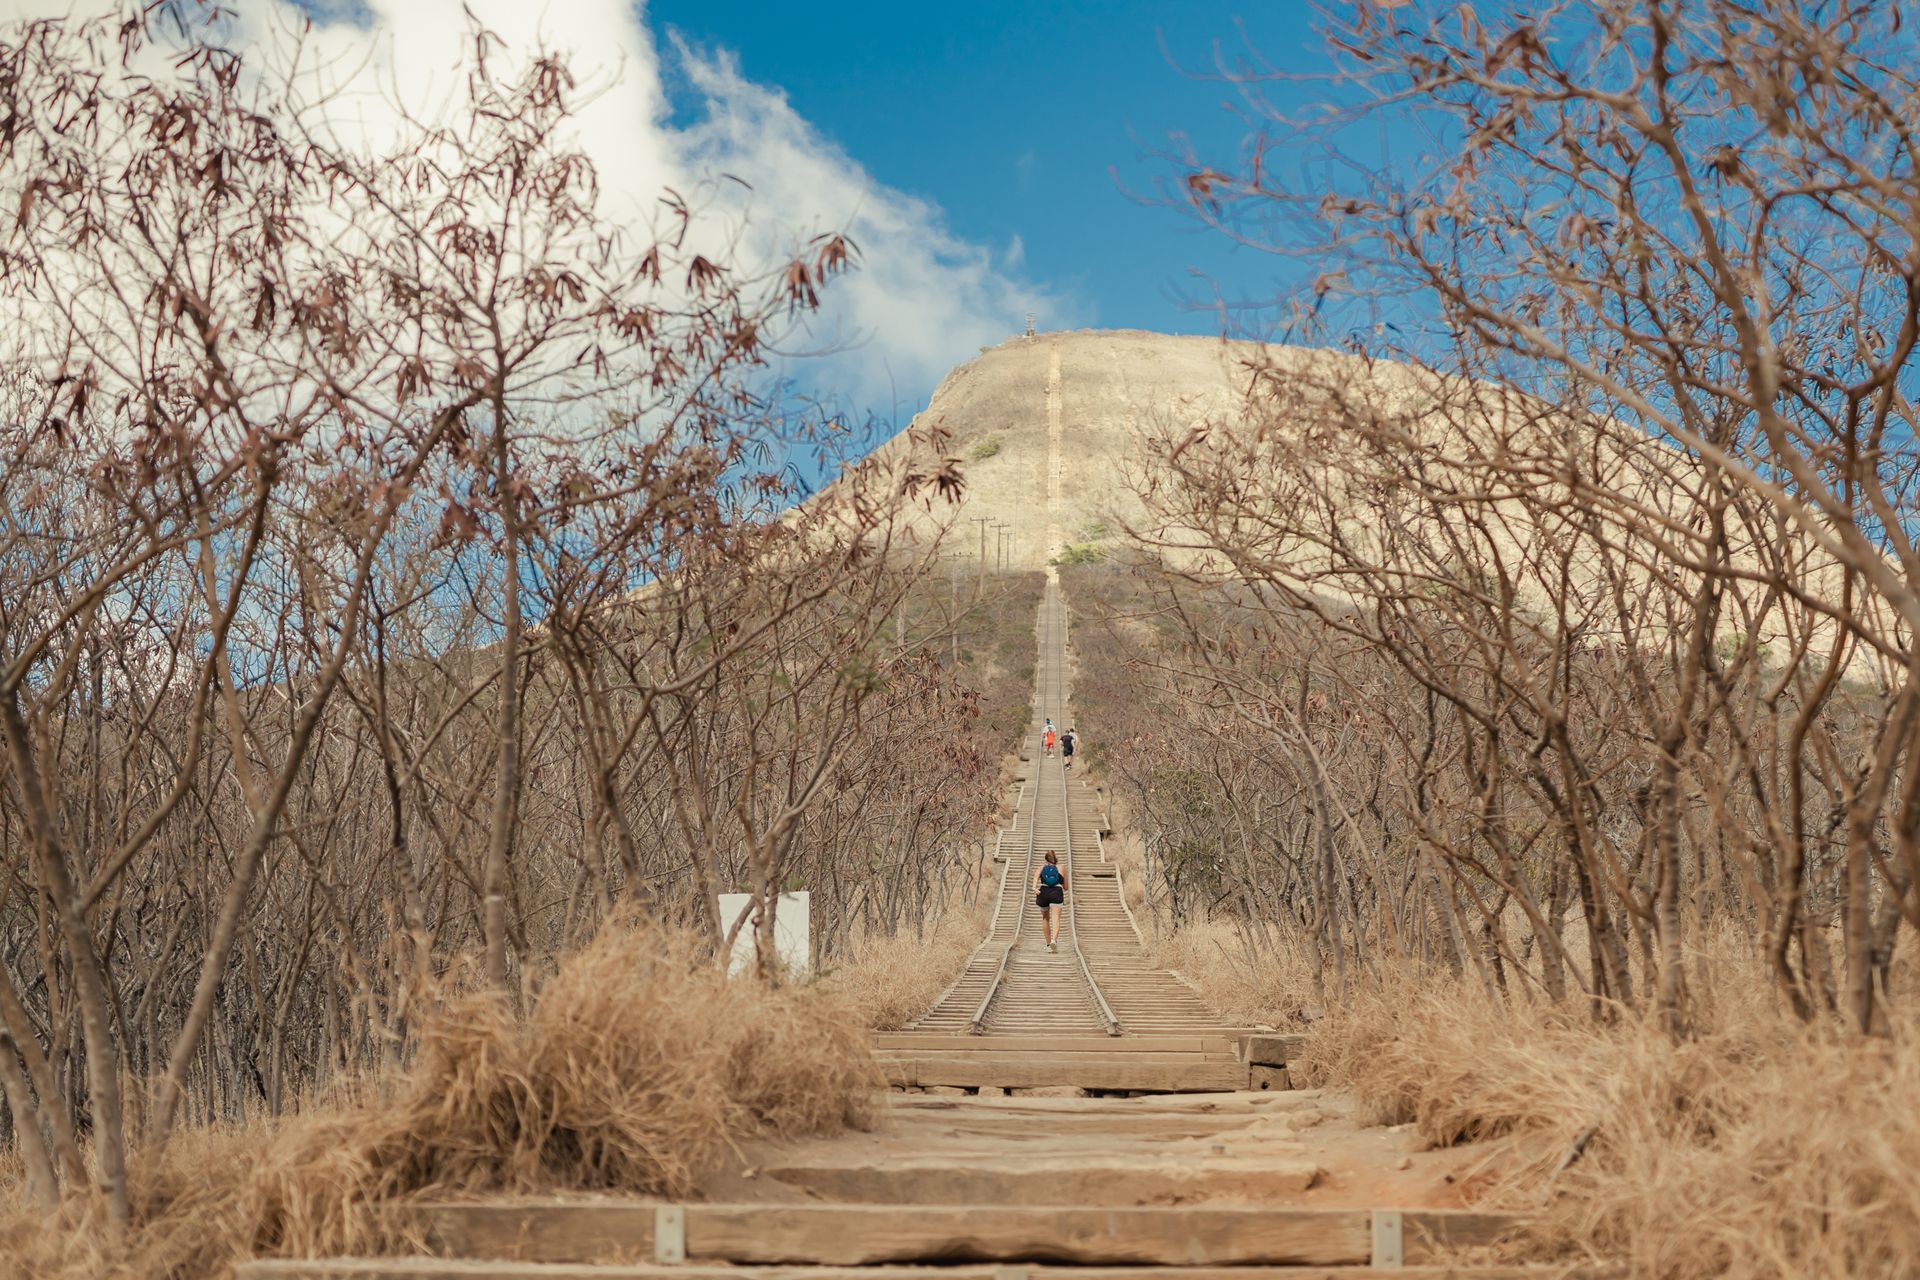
{"x":982,"y":521}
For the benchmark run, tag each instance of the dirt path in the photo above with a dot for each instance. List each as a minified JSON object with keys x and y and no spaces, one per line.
{"x":1293,"y":1149}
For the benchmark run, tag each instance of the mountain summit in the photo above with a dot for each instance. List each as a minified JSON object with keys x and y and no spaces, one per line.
{"x":1049,"y":429}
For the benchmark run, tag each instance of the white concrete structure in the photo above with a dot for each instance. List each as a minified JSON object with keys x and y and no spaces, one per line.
{"x":792,"y":932}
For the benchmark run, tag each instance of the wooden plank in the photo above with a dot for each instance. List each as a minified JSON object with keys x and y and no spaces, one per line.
{"x":572,"y":1231}
{"x":1132,"y":1179}
{"x":909,"y":1041}
{"x":1271,"y":1050}
{"x":1263,"y":1078}
{"x":1430,"y":1233}
{"x":1183,"y":1073}
{"x":1489,"y":1272}
{"x":985,"y":1050}
{"x":415,"y":1268}
{"x":1239,"y":1104}
{"x":543,"y":1230}
{"x":857,"y":1235}
{"x":973,"y":1121}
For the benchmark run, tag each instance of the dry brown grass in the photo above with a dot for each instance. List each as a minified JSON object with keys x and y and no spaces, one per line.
{"x":1758,"y":1146}
{"x":636,"y":1069}
{"x":890,"y":981}
{"x":1265,"y":987}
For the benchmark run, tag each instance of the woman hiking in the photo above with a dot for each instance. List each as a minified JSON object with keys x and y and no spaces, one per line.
{"x":1049,"y":891}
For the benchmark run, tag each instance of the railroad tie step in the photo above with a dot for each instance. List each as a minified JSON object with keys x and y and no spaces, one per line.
{"x":442,"y":1269}
{"x":426,"y":1268}
{"x":605,"y":1232}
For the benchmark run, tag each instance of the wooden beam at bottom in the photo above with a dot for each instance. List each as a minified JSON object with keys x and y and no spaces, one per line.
{"x":445,"y":1269}
{"x":859,"y":1235}
{"x":575,"y":1231}
{"x":1263,"y":1078}
{"x":1272,"y":1050}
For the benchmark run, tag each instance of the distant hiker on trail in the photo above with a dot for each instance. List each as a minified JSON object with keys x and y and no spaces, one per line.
{"x":1068,"y":741}
{"x":1046,"y":739}
{"x":1049,"y":891}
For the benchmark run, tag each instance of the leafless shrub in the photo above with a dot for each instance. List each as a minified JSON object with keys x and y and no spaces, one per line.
{"x":889,"y":981}
{"x":638,"y":1068}
{"x":399,"y":561}
{"x":1543,"y":675}
{"x":1548,"y":642}
{"x":1760,"y":1145}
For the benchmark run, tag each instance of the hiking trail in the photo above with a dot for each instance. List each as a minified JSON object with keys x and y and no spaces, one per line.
{"x":995,"y":1160}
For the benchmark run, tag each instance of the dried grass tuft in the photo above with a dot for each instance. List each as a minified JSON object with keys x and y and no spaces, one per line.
{"x":1757,"y":1146}
{"x":1268,"y":986}
{"x":637,"y":1068}
{"x":892,"y":980}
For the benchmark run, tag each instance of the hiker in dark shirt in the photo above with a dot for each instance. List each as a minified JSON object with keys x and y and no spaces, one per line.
{"x":1049,"y":891}
{"x":1068,"y":741}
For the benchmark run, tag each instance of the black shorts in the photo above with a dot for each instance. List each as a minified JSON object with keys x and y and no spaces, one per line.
{"x":1050,"y":895}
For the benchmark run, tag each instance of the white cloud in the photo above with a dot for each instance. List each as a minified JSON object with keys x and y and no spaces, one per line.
{"x":928,"y":298}
{"x":923,"y":299}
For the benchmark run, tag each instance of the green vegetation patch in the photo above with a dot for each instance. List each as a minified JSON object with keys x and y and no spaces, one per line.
{"x":984,"y":449}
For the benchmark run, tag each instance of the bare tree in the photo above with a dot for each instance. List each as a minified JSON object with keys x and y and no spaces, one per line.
{"x":1623,"y":532}
{"x":383,"y":534}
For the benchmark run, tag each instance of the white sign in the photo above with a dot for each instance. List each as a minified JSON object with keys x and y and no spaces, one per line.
{"x":792,"y":932}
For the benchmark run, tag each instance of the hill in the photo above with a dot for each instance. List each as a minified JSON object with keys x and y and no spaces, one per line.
{"x":1046,"y":427}
{"x":1377,"y":472}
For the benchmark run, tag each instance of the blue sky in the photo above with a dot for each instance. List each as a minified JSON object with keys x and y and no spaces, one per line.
{"x":1029,"y":125}
{"x":990,"y":159}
